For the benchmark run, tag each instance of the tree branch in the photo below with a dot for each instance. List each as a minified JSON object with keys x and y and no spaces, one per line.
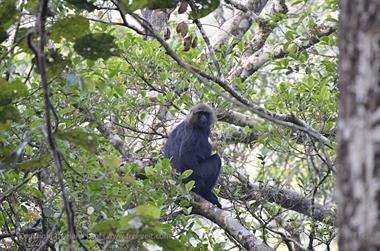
{"x":265,"y":26}
{"x":239,"y":24}
{"x":224,"y":220}
{"x":22,"y":231}
{"x":269,"y":52}
{"x":286,"y":198}
{"x":237,"y":118}
{"x":42,"y":66}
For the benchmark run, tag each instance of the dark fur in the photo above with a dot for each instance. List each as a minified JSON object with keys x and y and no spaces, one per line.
{"x":189,"y":148}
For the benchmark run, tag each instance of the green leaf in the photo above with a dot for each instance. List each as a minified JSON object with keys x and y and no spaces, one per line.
{"x":106,"y":226}
{"x":185,"y":174}
{"x":205,"y":8}
{"x":324,"y":93}
{"x":293,"y":50}
{"x":170,"y":244}
{"x":303,"y":56}
{"x":79,"y":137}
{"x":111,"y":161}
{"x":331,"y":19}
{"x":35,"y":164}
{"x":160,"y":98}
{"x":189,"y":185}
{"x":21,"y":39}
{"x":71,"y":28}
{"x":82,"y":5}
{"x":297,"y":2}
{"x":8,"y":12}
{"x":149,"y":171}
{"x":11,"y":91}
{"x":130,"y":179}
{"x":247,"y":130}
{"x":133,"y":5}
{"x":96,"y":45}
{"x":170,"y":96}
{"x":290,"y":35}
{"x":166,"y":164}
{"x":9,"y":113}
{"x":56,"y":64}
{"x":124,"y":222}
{"x":66,"y":110}
{"x":3,"y":35}
{"x":148,"y":211}
{"x":324,"y":39}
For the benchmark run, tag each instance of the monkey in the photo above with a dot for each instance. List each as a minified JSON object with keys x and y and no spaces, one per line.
{"x":188,"y":147}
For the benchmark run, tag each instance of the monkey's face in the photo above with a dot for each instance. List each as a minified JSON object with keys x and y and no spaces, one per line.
{"x":203,"y":119}
{"x":201,"y":116}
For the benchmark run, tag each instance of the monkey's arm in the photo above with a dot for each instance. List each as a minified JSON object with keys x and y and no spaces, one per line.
{"x":189,"y":160}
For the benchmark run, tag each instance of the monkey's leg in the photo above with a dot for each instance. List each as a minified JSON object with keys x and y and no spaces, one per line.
{"x":211,"y":197}
{"x":210,"y":171}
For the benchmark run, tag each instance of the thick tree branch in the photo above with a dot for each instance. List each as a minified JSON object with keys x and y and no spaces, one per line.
{"x":286,"y":198}
{"x":269,"y":53}
{"x":240,"y":23}
{"x":224,"y":220}
{"x":265,"y":26}
{"x":237,"y":118}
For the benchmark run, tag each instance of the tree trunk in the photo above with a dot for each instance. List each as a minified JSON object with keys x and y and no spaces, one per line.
{"x":358,"y":181}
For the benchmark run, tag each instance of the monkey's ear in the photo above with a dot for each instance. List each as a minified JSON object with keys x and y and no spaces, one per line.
{"x":213,"y":116}
{"x":189,"y":116}
{"x":213,"y":121}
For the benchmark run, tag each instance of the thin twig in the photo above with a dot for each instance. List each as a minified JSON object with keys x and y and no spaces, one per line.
{"x":48,"y":237}
{"x":208,"y":44}
{"x":116,"y":3}
{"x":79,"y":173}
{"x":41,"y":61}
{"x":14,"y":188}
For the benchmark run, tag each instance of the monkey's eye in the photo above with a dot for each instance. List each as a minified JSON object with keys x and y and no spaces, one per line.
{"x":206,"y":114}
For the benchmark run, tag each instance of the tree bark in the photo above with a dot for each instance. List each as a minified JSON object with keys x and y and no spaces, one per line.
{"x":358,"y":180}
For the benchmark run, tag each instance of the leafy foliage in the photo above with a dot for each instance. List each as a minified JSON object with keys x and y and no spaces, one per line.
{"x":71,"y":28}
{"x":95,"y":45}
{"x":134,"y":5}
{"x":206,"y":7}
{"x":82,"y":5}
{"x":115,"y":95}
{"x":11,"y":91}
